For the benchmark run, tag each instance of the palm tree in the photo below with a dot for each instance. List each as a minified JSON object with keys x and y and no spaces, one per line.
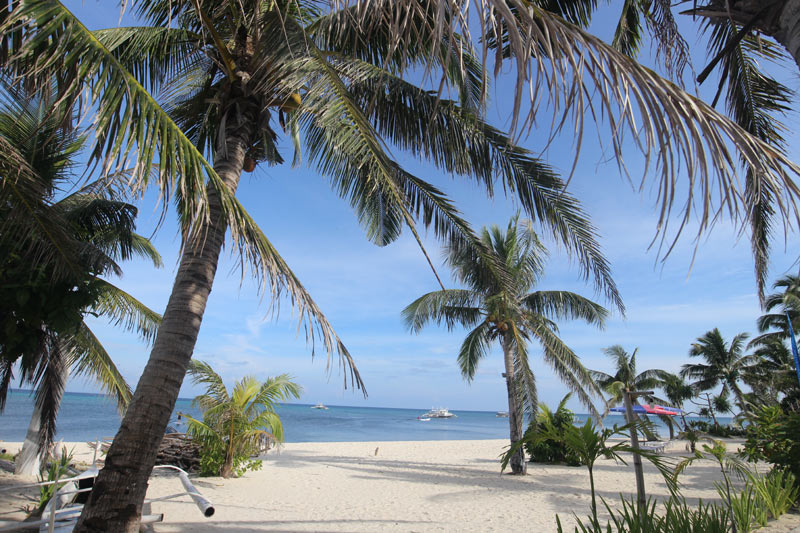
{"x":785,"y":302}
{"x":235,"y":421}
{"x":724,"y":364}
{"x":677,"y":392}
{"x":505,"y":310}
{"x":93,"y":230}
{"x":37,"y":35}
{"x":772,"y":374}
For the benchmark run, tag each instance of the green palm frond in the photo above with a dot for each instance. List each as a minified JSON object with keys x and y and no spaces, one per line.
{"x":628,"y":35}
{"x":152,"y":54}
{"x":124,"y":310}
{"x":128,"y":123}
{"x":474,"y":348}
{"x":567,"y":366}
{"x":462,"y":143}
{"x":451,"y":307}
{"x":565,"y":305}
{"x":90,"y":358}
{"x":202,"y":374}
{"x":755,"y":100}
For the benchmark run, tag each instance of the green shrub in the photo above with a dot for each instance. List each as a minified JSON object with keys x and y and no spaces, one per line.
{"x":777,"y":490}
{"x":772,"y":437}
{"x":551,"y":451}
{"x":212,"y":459}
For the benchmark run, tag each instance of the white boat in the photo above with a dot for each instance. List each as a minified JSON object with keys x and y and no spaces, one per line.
{"x":501,"y":414}
{"x":441,"y":412}
{"x":318,"y":406}
{"x":422,"y":419}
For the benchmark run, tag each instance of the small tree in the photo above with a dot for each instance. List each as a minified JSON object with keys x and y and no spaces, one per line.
{"x":232,"y":424}
{"x":551,"y":451}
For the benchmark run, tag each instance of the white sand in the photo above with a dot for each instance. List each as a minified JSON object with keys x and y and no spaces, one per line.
{"x":405,"y":486}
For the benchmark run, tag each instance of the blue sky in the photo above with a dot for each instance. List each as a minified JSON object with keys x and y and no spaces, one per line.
{"x":363,"y":288}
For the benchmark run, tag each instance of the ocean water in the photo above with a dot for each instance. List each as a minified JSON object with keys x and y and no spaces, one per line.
{"x":86,"y":417}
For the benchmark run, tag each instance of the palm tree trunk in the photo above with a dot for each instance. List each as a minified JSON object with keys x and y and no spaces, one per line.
{"x":29,"y":460}
{"x":115,"y":503}
{"x":739,"y":396}
{"x":781,"y":21}
{"x":518,"y":465}
{"x":787,"y":28}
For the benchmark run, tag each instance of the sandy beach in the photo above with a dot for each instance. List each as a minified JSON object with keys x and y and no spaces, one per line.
{"x":401,"y":486}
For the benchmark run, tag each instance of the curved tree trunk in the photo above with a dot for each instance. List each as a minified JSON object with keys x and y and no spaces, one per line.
{"x":518,"y":465}
{"x":115,"y":503}
{"x":29,"y":461}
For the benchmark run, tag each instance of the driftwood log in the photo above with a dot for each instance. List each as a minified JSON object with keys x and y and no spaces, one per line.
{"x":180,"y":450}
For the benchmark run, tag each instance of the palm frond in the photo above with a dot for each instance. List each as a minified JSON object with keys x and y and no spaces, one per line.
{"x":124,"y":310}
{"x":581,"y":76}
{"x":91,"y":359}
{"x":474,"y":348}
{"x":567,"y":365}
{"x":462,"y":143}
{"x":451,"y":307}
{"x":565,"y":305}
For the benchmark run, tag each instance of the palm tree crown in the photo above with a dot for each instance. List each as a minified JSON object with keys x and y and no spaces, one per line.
{"x":625,"y":378}
{"x":724,"y":364}
{"x":504,"y":309}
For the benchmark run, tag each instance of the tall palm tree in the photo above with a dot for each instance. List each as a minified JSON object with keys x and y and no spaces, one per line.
{"x":724,"y":364}
{"x":41,"y":39}
{"x":94,"y":231}
{"x":235,"y":421}
{"x":507,"y":311}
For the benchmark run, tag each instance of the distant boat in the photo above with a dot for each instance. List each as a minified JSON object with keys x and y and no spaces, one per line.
{"x":319,"y":406}
{"x":441,"y":412}
{"x":501,"y":414}
{"x":421,"y":419}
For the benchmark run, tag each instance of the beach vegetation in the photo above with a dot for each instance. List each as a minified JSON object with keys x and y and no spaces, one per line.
{"x":56,"y":262}
{"x":778,"y":490}
{"x":548,"y":450}
{"x":57,"y":469}
{"x":677,"y":517}
{"x":234,"y":422}
{"x":505,"y":309}
{"x":589,"y":444}
{"x":771,"y":436}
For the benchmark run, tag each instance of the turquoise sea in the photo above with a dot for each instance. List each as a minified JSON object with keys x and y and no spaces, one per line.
{"x":89,"y":416}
